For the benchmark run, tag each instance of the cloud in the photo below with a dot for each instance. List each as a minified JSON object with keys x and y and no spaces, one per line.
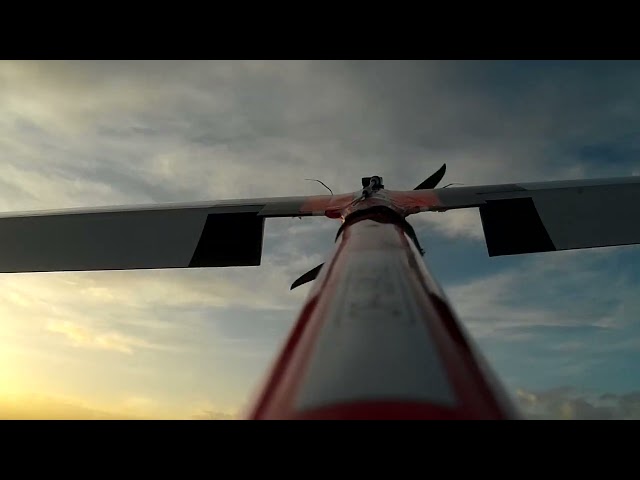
{"x":451,"y":224}
{"x":562,"y":403}
{"x":81,"y":336}
{"x":210,"y":415}
{"x":29,"y":406}
{"x":156,"y":131}
{"x":542,"y":290}
{"x":567,"y":403}
{"x":159,"y":131}
{"x":43,"y":407}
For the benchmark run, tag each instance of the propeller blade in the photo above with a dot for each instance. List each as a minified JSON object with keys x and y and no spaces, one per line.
{"x":307,"y":277}
{"x":433,"y":180}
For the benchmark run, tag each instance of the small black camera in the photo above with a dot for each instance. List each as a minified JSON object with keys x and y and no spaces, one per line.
{"x":367,"y":180}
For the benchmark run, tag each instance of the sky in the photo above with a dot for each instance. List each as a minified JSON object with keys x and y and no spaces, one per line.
{"x":559,"y":328}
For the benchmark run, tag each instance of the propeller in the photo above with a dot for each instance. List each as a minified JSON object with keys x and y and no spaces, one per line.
{"x":429,"y":183}
{"x":433,"y":180}
{"x":307,"y":277}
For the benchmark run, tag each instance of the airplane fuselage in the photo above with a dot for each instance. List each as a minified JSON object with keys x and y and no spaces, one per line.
{"x":376,"y":338}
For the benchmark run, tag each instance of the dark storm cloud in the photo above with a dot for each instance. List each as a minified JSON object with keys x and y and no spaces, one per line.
{"x":506,"y":120}
{"x":167,"y":130}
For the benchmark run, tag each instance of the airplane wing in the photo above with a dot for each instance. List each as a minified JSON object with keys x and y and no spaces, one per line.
{"x":516,"y":218}
{"x":205,"y":234}
{"x":546,"y":216}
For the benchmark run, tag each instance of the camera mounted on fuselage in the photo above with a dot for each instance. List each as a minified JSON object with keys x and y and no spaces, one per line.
{"x":375,"y":182}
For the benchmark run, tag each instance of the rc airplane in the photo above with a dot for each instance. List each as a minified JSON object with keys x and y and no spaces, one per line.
{"x":376,"y":337}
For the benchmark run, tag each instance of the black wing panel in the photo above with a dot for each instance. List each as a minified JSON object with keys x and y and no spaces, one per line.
{"x":230,"y":240}
{"x":513,"y":226}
